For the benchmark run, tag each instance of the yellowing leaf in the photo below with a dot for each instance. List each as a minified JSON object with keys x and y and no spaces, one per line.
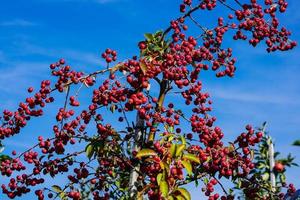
{"x":115,"y":68}
{"x":146,"y":152}
{"x":191,"y":157}
{"x":179,"y":197}
{"x":162,"y":165}
{"x":143,"y":66}
{"x":187,"y":165}
{"x":184,"y":193}
{"x":173,"y":150}
{"x":179,"y":149}
{"x":158,"y":178}
{"x":164,"y":188}
{"x":183,"y":140}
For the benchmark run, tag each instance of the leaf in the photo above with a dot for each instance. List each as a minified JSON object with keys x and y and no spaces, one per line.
{"x":187,"y":165}
{"x":115,"y":68}
{"x":171,"y":137}
{"x":171,"y":129}
{"x":56,"y":188}
{"x":112,"y":108}
{"x":162,"y":165}
{"x":179,"y":197}
{"x":282,"y":178}
{"x":146,"y":152}
{"x":164,"y":188}
{"x":205,"y":181}
{"x":143,"y":67}
{"x":191,"y":157}
{"x":183,"y":140}
{"x":184,"y":193}
{"x":296,"y":143}
{"x":265,"y":176}
{"x":179,"y":149}
{"x":148,"y":36}
{"x":89,"y":150}
{"x":158,"y":178}
{"x":196,"y":183}
{"x":4,"y":157}
{"x":173,"y":150}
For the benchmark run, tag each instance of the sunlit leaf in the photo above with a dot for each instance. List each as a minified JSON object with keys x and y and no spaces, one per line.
{"x":184,"y":193}
{"x":187,"y":165}
{"x":159,"y":178}
{"x":56,"y":188}
{"x":164,"y":188}
{"x":179,"y":149}
{"x":191,"y":157}
{"x":183,"y":140}
{"x":143,"y":67}
{"x":115,"y":68}
{"x":148,"y":36}
{"x":146,"y":152}
{"x":173,"y":150}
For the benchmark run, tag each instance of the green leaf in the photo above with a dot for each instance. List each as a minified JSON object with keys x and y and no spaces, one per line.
{"x":205,"y":181}
{"x":89,"y":150}
{"x":146,"y":152}
{"x":4,"y":157}
{"x":187,"y":165}
{"x":179,"y":149}
{"x":191,"y":157}
{"x":164,"y":188}
{"x":56,"y":188}
{"x":158,"y":178}
{"x":171,"y":129}
{"x":296,"y":143}
{"x":282,"y":178}
{"x":173,"y":150}
{"x":183,"y":140}
{"x":184,"y":193}
{"x":266,"y":176}
{"x":148,"y":36}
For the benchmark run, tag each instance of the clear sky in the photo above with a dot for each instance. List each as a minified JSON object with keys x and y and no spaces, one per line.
{"x":34,"y":33}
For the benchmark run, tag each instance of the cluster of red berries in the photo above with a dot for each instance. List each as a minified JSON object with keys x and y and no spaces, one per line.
{"x":177,"y":66}
{"x":109,"y":55}
{"x":13,"y":122}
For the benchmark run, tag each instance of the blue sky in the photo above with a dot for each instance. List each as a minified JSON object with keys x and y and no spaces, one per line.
{"x":34,"y":33}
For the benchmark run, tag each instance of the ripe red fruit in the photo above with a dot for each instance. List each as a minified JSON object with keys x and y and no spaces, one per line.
{"x":30,"y":89}
{"x":14,"y":153}
{"x":279,"y":167}
{"x":142,"y":45}
{"x":62,"y":61}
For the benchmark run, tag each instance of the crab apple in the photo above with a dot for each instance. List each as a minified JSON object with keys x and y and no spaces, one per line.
{"x":279,"y":167}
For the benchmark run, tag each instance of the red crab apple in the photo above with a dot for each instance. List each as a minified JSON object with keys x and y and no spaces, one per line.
{"x":279,"y":167}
